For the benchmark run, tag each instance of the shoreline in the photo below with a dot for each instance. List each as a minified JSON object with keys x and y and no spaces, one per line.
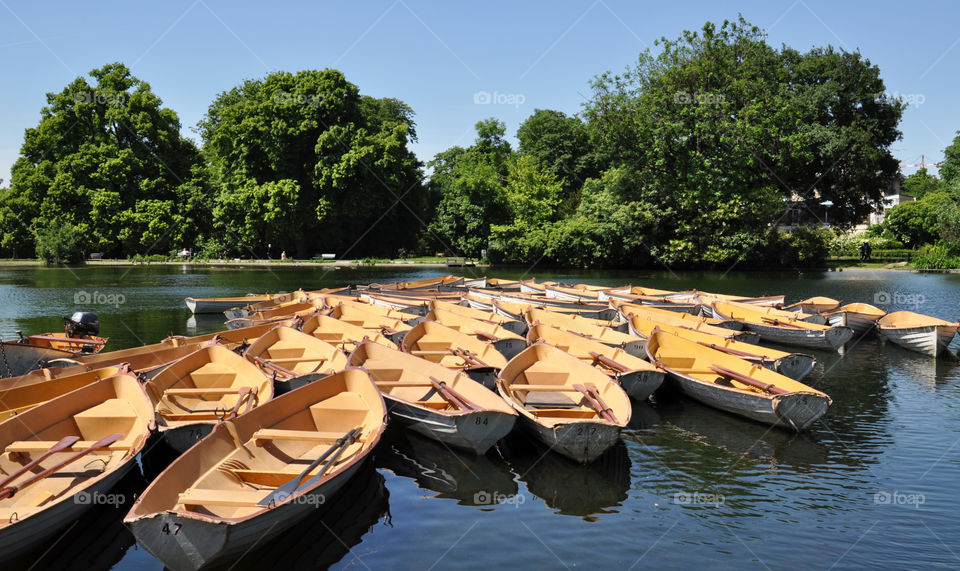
{"x":357,"y":264}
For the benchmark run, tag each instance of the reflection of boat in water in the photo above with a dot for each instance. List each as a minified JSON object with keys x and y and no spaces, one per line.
{"x":325,"y":537}
{"x":467,"y":478}
{"x":692,"y":426}
{"x":566,"y":486}
{"x":96,"y":540}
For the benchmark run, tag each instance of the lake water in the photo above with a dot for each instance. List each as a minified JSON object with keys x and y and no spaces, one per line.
{"x":876,"y":483}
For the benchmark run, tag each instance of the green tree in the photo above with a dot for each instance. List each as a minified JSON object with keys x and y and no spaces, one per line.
{"x":721,"y":128}
{"x":357,"y":185}
{"x":105,"y":158}
{"x":950,"y":168}
{"x":923,"y":221}
{"x":920,"y":184}
{"x":468,"y":184}
{"x":560,"y":144}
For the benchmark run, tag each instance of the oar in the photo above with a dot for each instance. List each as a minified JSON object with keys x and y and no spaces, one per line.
{"x":730,"y":351}
{"x":102,"y":443}
{"x":768,"y":387}
{"x":777,"y":322}
{"x":63,"y":444}
{"x":453,"y":396}
{"x":470,"y":357}
{"x":608,"y":362}
{"x":291,"y":486}
{"x":596,"y":403}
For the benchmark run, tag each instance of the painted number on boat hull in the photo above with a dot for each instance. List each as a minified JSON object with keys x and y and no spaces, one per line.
{"x":174,"y":529}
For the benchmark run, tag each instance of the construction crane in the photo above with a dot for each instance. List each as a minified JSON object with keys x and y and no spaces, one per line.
{"x":922,"y":164}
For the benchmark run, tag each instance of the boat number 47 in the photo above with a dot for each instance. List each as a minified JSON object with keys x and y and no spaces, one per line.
{"x":171,"y":529}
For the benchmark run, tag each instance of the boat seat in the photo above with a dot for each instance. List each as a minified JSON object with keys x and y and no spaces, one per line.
{"x":553,"y":388}
{"x":203,"y":391}
{"x":40,"y":446}
{"x":269,"y":434}
{"x":427,"y":352}
{"x":110,"y":416}
{"x":215,"y":497}
{"x":24,"y":503}
{"x":436,"y":405}
{"x":545,"y":377}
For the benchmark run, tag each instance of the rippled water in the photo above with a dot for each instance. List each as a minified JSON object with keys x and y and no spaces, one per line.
{"x":872,"y":485}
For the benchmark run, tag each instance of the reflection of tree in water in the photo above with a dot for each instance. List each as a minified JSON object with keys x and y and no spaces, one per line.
{"x":450,"y":473}
{"x":97,"y":540}
{"x":564,"y":485}
{"x":326,"y":536}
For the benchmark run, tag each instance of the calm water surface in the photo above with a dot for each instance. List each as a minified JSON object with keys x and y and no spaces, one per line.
{"x":875,"y":484}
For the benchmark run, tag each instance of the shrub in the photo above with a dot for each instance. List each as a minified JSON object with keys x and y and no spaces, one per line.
{"x":935,"y":258}
{"x":60,"y":244}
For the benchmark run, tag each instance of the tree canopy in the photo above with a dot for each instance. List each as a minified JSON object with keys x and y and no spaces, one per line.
{"x":106,"y":161}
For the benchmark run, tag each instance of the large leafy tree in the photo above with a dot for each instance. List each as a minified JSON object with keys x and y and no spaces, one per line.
{"x":333,"y":166}
{"x":921,"y":183}
{"x":561,"y":145}
{"x":469,"y":186}
{"x":107,"y":161}
{"x":721,"y":128}
{"x":950,"y":169}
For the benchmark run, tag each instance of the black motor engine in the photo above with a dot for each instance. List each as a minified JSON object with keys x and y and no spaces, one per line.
{"x":82,"y":323}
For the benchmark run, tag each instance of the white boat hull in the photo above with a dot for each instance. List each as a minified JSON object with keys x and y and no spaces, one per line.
{"x":930,"y":340}
{"x":796,"y":411}
{"x":582,"y":442}
{"x":475,"y":431}
{"x":861,"y":324}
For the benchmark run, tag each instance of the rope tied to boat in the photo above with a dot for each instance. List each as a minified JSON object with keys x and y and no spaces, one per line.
{"x":6,"y":365}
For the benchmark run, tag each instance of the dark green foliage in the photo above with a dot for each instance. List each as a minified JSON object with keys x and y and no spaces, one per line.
{"x":59,"y":244}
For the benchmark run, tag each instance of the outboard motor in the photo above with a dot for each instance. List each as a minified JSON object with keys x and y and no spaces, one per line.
{"x":82,"y":323}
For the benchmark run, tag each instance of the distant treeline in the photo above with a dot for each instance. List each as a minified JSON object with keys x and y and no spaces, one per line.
{"x":688,"y":158}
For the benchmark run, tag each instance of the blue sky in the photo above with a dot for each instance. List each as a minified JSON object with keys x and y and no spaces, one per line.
{"x":438,"y":56}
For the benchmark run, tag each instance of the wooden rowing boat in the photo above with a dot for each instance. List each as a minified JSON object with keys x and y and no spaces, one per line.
{"x":706,"y":299}
{"x":507,"y":343}
{"x":637,"y":377}
{"x":208,"y":386}
{"x":793,"y":365}
{"x":221,"y":304}
{"x":342,"y":335}
{"x":784,"y":330}
{"x":66,"y":454}
{"x":435,"y":401}
{"x":917,"y":332}
{"x":20,"y":358}
{"x":20,"y":394}
{"x":814,"y":305}
{"x":231,"y":339}
{"x":517,"y":326}
{"x":454,"y":350}
{"x":772,"y":312}
{"x":706,"y":324}
{"x":376,"y":319}
{"x":861,"y":317}
{"x":589,"y":328}
{"x":567,"y":404}
{"x":257,"y":475}
{"x":581,"y":293}
{"x":729,"y":383}
{"x":531,"y":286}
{"x":299,"y":296}
{"x":686,"y":321}
{"x":502,"y":284}
{"x":276,"y":314}
{"x":294,"y":358}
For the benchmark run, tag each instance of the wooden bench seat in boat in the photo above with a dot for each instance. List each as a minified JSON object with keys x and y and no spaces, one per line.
{"x":216,"y":497}
{"x":564,"y":412}
{"x":24,"y":501}
{"x":535,"y":377}
{"x":215,"y":391}
{"x":39,"y":446}
{"x":270,"y":434}
{"x":539,"y":387}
